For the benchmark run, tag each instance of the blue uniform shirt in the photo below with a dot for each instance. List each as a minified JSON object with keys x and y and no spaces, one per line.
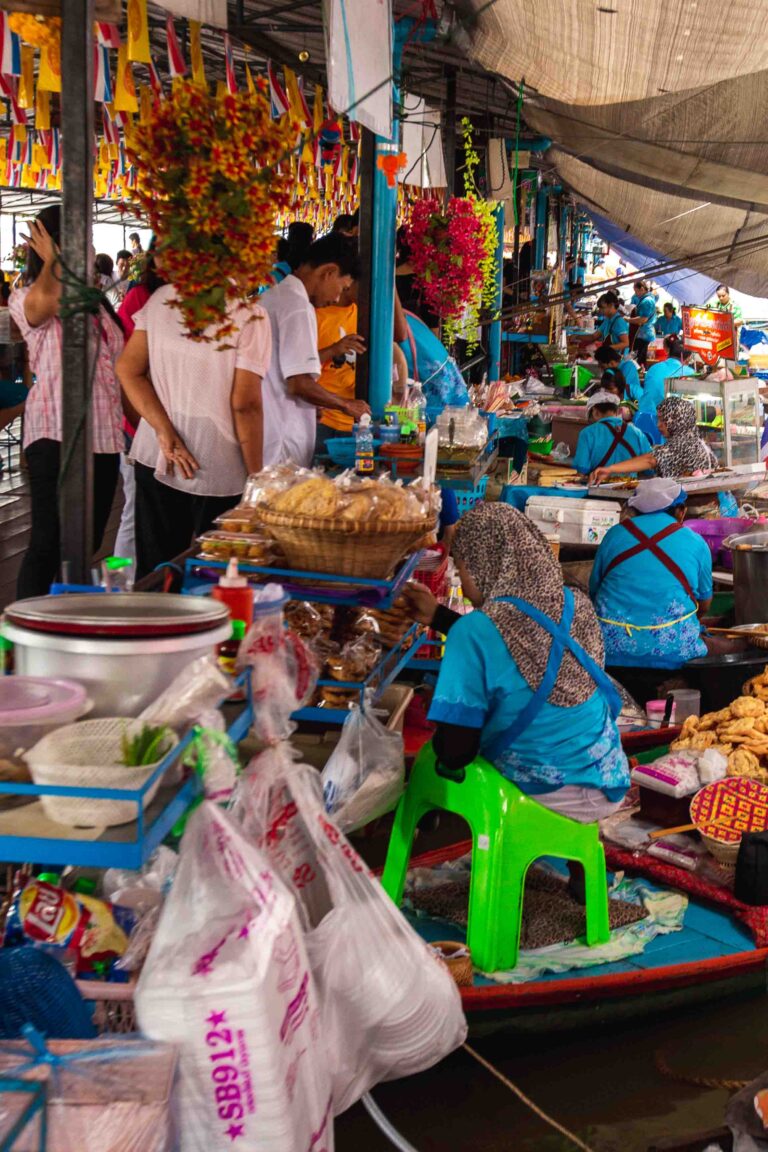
{"x":595,"y":440}
{"x":668,"y":325}
{"x":647,"y":309}
{"x":613,"y":328}
{"x":653,"y":390}
{"x":647,"y":618}
{"x":480,"y":686}
{"x":632,"y":376}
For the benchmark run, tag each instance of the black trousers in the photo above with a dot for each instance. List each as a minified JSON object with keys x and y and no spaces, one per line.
{"x":40,"y":565}
{"x":640,"y":348}
{"x":167,"y":520}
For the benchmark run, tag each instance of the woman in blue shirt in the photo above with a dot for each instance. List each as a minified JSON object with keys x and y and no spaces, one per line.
{"x":651,"y":580}
{"x":432,"y":365}
{"x":522,"y":678}
{"x":653,"y":389}
{"x":613,"y":329}
{"x":643,"y":321}
{"x":607,"y":438}
{"x":609,"y":358}
{"x":669,"y":323}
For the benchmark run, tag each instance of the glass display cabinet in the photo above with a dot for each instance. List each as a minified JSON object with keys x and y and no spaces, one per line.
{"x":729,"y":415}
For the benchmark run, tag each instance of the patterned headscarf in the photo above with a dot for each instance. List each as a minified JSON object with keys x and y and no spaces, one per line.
{"x":506,"y":555}
{"x":684,"y":452}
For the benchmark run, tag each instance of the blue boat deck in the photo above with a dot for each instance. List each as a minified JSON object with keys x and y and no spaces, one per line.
{"x":707,"y":934}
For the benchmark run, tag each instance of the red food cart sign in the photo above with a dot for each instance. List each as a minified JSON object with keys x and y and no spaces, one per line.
{"x":710,"y":333}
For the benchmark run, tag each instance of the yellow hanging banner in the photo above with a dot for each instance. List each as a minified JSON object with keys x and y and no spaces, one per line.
{"x":297,"y":106}
{"x":49,"y":76}
{"x":3,"y":152}
{"x":196,"y":54}
{"x":249,"y":80}
{"x":145,"y":104}
{"x":221,"y":90}
{"x":138,"y":32}
{"x":19,"y":134}
{"x":40,"y":159}
{"x":26,"y":95}
{"x":317,"y":112}
{"x":125,"y":89}
{"x":42,"y":110}
{"x":104,"y":161}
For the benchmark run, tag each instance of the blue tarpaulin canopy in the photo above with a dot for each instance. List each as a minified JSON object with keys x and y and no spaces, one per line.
{"x":683,"y":285}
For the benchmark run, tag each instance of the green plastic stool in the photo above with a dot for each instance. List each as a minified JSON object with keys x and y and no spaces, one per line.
{"x":509,"y":832}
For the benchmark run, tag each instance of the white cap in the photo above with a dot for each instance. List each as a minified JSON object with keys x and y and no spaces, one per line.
{"x":656,"y":495}
{"x":365,"y":420}
{"x":233,"y":579}
{"x":603,"y":397}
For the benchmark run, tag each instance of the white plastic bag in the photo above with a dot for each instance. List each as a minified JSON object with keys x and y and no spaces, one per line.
{"x":389,"y":1007}
{"x":227,"y":979}
{"x":365,"y":774}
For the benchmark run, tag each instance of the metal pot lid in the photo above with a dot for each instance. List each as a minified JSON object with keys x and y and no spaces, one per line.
{"x":747,"y":541}
{"x":118,"y":614}
{"x":38,"y":699}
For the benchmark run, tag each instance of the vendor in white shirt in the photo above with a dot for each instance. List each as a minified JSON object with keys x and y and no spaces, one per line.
{"x":292,"y":395}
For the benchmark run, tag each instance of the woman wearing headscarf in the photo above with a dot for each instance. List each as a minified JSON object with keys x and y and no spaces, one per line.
{"x":683,"y":454}
{"x":522,"y":679}
{"x":651,"y":581}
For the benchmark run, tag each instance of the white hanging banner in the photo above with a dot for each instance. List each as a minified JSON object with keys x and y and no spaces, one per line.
{"x":358,"y":39}
{"x":206,"y":11}
{"x":423,"y":146}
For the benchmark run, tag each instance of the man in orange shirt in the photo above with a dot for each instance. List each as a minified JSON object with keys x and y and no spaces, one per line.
{"x":339,"y":345}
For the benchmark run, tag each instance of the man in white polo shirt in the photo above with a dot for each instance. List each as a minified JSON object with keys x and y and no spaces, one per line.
{"x":291,"y":392}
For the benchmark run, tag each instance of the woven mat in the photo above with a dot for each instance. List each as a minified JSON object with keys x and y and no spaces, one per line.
{"x":550,"y":914}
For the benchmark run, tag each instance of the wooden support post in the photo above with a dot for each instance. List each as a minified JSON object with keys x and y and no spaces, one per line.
{"x":76,"y":475}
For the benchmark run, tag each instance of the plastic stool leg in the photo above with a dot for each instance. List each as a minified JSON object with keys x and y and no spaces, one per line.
{"x":596,"y":887}
{"x":409,"y":812}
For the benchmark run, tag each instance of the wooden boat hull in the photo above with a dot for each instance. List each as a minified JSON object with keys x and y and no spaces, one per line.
{"x":591,"y":1000}
{"x":574,"y":1004}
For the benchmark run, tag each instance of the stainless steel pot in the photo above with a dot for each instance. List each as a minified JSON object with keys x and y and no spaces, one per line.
{"x":750,"y":575}
{"x":122,"y":671}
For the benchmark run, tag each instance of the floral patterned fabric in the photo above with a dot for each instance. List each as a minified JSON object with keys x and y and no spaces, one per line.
{"x":648,"y":621}
{"x":480,"y":686}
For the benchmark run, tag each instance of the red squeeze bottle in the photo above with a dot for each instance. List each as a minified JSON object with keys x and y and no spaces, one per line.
{"x":235,"y":591}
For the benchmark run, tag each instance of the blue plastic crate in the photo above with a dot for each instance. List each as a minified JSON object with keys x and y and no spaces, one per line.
{"x":467,"y":500}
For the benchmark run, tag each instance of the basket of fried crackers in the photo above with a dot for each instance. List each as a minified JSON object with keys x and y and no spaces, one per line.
{"x":348,"y":526}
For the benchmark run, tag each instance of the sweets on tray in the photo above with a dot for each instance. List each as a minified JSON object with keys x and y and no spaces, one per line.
{"x":243,"y":546}
{"x":739,"y":731}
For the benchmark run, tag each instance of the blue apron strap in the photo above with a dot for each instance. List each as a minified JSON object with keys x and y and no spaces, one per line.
{"x":562,"y":629}
{"x":525,"y":718}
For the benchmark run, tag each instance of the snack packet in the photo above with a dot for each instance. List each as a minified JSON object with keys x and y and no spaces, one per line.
{"x":94,"y":930}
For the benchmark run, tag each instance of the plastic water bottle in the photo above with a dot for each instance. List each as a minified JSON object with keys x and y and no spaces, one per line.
{"x":418,"y":403}
{"x":364,"y":464}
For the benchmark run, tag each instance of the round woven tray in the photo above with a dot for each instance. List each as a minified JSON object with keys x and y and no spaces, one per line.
{"x":460,"y":967}
{"x":370,"y":549}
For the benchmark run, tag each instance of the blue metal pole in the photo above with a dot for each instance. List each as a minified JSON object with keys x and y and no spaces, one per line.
{"x":540,"y":240}
{"x":383,"y":246}
{"x":494,"y":332}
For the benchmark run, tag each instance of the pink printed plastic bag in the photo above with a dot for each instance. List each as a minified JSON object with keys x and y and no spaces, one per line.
{"x":389,"y":1007}
{"x":227,"y":979}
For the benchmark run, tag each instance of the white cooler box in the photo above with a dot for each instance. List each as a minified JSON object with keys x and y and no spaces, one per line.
{"x":579,"y":521}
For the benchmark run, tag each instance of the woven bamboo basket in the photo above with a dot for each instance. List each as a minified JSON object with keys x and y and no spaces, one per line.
{"x":459,"y":966}
{"x":369,"y":549}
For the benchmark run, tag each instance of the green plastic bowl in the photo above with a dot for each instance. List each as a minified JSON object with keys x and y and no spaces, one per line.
{"x":563,"y":376}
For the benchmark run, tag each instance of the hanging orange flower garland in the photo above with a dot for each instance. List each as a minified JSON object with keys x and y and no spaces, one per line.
{"x":209,"y":187}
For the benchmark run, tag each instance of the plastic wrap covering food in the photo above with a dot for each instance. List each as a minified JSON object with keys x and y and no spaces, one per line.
{"x":106,"y":1095}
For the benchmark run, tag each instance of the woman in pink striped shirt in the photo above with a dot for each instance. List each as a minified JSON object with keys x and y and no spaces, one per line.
{"x":35,"y":308}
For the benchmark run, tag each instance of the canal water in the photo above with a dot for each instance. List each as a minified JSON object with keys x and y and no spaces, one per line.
{"x":605,"y":1086}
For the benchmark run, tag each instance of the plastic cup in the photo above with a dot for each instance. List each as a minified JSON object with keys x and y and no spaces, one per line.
{"x":687,"y":703}
{"x":654,"y":710}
